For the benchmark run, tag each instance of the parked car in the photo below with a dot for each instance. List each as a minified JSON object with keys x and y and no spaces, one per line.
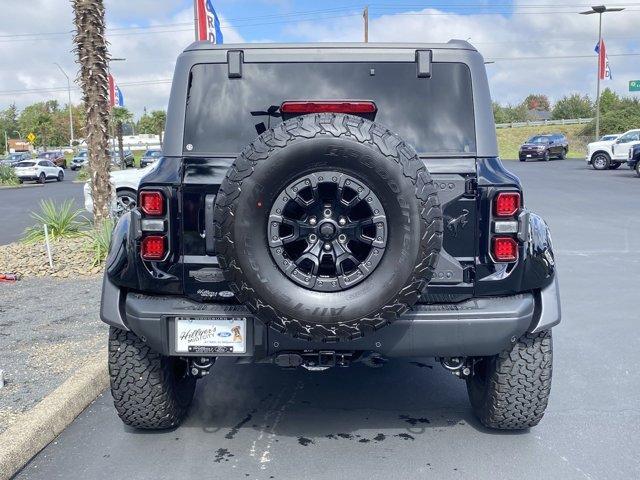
{"x":543,"y":147}
{"x":13,"y":158}
{"x":610,"y":154}
{"x":327,"y":241}
{"x":80,"y":160}
{"x":150,"y":156}
{"x":39,"y":170}
{"x":129,"y":160}
{"x":634,"y":159}
{"x":125,"y":187}
{"x":56,"y":157}
{"x":610,"y":138}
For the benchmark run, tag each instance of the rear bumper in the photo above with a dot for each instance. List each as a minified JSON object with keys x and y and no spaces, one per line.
{"x":477,"y":327}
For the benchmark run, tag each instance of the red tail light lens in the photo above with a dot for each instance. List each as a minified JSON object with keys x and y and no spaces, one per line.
{"x":328,"y":106}
{"x":153,"y":247}
{"x":152,"y":202}
{"x":507,"y":204}
{"x":505,"y":249}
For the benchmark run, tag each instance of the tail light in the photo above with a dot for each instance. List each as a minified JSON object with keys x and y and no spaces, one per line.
{"x":152,"y":202}
{"x":506,"y":204}
{"x":328,"y":106}
{"x":504,"y":249}
{"x":153,"y":247}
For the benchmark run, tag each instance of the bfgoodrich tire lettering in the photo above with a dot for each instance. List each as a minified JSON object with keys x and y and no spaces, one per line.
{"x":510,"y":391}
{"x":356,"y":147}
{"x":149,"y":391}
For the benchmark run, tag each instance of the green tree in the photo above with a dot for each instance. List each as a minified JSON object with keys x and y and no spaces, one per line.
{"x":511,"y":113}
{"x":120,"y":116}
{"x":8,"y":124}
{"x":92,"y":56}
{"x":153,"y":123}
{"x":609,"y":101}
{"x":573,"y":106}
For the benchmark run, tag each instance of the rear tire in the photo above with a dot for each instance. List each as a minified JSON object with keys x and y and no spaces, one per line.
{"x":563,"y":154}
{"x":42,"y":179}
{"x":60,"y":176}
{"x":150,"y":391}
{"x":510,"y":391}
{"x":638,"y":169}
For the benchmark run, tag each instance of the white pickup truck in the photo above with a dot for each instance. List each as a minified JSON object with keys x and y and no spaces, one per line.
{"x":610,"y":154}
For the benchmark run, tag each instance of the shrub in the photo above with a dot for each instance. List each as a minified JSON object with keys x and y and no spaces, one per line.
{"x":83,"y":175}
{"x":8,"y":176}
{"x":100,"y":240}
{"x":63,"y":221}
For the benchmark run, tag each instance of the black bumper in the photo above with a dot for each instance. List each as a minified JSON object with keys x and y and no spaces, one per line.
{"x":477,"y":327}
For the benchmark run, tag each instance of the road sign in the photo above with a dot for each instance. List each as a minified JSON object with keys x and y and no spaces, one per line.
{"x":31,"y":137}
{"x":634,"y":86}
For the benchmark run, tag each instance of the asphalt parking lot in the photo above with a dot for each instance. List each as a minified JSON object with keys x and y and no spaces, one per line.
{"x":17,"y":203}
{"x":413,"y":420}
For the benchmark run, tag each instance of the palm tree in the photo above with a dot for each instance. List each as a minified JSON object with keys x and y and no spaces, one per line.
{"x":93,"y":57}
{"x":159,"y":118}
{"x":120,"y":116}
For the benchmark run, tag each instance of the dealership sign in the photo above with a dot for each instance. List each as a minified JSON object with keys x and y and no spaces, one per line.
{"x":634,"y":86}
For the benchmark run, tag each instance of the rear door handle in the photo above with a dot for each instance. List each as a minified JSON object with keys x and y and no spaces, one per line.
{"x":209,"y":203}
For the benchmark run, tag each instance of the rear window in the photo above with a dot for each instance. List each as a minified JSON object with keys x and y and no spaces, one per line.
{"x":25,"y":164}
{"x":434,"y":114}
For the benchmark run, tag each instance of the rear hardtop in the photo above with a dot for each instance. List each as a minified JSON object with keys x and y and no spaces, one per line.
{"x":237,"y":57}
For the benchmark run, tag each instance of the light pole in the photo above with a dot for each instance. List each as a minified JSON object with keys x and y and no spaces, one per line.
{"x":599,"y":9}
{"x":70,"y":107}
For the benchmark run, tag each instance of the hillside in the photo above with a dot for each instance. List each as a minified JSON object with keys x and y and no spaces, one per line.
{"x":510,"y":139}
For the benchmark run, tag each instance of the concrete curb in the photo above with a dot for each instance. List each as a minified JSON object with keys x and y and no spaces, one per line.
{"x":22,"y":185}
{"x":36,"y":428}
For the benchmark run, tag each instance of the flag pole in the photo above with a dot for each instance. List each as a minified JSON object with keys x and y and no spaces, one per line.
{"x":598,"y":87}
{"x":365,"y":15}
{"x":195,"y":19}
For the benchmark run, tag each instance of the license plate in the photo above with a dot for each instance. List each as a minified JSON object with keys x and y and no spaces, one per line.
{"x":529,"y":156}
{"x":211,"y":335}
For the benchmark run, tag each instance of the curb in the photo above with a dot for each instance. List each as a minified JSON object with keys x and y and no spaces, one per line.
{"x":22,"y":185}
{"x":37,"y":427}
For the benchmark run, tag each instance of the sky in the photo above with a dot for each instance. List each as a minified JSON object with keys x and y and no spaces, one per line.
{"x":151,"y":33}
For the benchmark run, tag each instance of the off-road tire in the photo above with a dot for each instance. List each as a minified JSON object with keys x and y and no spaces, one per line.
{"x":147,"y":391}
{"x":510,"y":391}
{"x":301,"y":320}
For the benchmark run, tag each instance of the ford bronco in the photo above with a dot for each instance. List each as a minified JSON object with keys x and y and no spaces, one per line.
{"x":320,"y":205}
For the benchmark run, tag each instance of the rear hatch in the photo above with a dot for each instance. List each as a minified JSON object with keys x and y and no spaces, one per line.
{"x":435,"y":114}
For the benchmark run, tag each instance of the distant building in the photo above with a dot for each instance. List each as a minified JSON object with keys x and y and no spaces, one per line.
{"x":539,"y":115}
{"x":17,"y":145}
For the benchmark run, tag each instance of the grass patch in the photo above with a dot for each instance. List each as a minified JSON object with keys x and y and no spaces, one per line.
{"x":83,"y":175}
{"x":63,"y":221}
{"x":510,"y":139}
{"x":8,"y":176}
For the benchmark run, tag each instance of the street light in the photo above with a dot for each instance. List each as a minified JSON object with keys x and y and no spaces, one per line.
{"x":599,"y":9}
{"x":70,"y":109}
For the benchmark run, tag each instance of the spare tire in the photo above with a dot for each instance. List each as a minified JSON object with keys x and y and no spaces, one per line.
{"x":327,"y":227}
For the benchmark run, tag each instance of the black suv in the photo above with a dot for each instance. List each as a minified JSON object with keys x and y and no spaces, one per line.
{"x":543,"y":147}
{"x":320,"y":205}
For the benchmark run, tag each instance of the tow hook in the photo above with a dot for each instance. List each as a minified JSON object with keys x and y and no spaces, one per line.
{"x":461,"y":367}
{"x":200,"y":366}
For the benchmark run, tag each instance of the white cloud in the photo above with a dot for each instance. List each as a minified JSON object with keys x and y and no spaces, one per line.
{"x":28,"y":64}
{"x":499,"y":36}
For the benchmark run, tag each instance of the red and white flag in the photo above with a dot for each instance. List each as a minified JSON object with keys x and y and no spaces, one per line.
{"x":604,"y":69}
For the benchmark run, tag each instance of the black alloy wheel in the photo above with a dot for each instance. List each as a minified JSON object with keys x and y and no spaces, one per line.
{"x":327,"y":231}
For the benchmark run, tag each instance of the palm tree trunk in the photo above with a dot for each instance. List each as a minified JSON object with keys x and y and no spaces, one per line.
{"x":123,"y":164}
{"x":91,"y":49}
